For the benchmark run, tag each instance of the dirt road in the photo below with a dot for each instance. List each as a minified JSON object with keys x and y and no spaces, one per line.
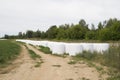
{"x":53,"y":68}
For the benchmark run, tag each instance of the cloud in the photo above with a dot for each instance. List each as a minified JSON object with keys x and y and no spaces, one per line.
{"x":21,"y":15}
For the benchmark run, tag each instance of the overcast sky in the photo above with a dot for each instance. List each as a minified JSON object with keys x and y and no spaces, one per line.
{"x":22,"y":15}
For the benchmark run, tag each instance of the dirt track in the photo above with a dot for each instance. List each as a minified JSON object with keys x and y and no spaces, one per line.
{"x":53,"y":68}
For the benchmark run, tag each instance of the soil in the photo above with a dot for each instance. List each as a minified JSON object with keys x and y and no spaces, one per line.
{"x":52,"y":68}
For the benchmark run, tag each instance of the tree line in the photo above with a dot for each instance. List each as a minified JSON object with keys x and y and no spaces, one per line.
{"x":106,"y":30}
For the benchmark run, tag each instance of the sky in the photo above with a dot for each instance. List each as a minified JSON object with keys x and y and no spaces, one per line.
{"x":21,"y":15}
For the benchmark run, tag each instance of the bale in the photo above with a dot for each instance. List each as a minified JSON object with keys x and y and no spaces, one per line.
{"x":101,"y":47}
{"x":58,"y":48}
{"x":88,"y":47}
{"x":50,"y":45}
{"x":73,"y":48}
{"x":43,"y":43}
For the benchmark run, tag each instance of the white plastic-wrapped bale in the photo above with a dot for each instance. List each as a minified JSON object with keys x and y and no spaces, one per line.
{"x":35,"y":43}
{"x":50,"y":45}
{"x":58,"y":48}
{"x":43,"y":43}
{"x":88,"y":47}
{"x":73,"y":48}
{"x":27,"y":41}
{"x":30,"y":42}
{"x":20,"y":40}
{"x":38,"y":43}
{"x":101,"y":47}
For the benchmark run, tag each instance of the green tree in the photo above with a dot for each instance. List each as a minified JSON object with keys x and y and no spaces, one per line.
{"x":29,"y":34}
{"x":93,"y":27}
{"x":77,"y":32}
{"x":61,"y":33}
{"x":43,"y":35}
{"x":100,"y":26}
{"x":52,"y":32}
{"x":6,"y":36}
{"x":82,"y":23}
{"x":37,"y":34}
{"x":20,"y":35}
{"x":90,"y":35}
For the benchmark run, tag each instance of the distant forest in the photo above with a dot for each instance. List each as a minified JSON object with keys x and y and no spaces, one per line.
{"x":106,"y":30}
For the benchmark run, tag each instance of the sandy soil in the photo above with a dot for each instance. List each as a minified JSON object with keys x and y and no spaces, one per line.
{"x":53,"y":68}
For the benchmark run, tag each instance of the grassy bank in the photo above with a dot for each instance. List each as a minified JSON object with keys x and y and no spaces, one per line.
{"x":8,"y":51}
{"x":33,"y":55}
{"x":110,"y":58}
{"x":46,"y":50}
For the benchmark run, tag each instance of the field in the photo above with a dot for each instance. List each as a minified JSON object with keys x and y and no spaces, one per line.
{"x":83,"y":66}
{"x":8,"y":51}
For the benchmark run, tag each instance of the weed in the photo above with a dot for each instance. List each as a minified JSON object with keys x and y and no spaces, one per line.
{"x":72,"y":62}
{"x":61,"y":55}
{"x":38,"y":64}
{"x":56,"y":65}
{"x":84,"y":78}
{"x":70,"y":79}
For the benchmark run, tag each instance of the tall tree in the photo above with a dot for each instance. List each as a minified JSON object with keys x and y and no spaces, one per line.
{"x":100,"y":26}
{"x":52,"y":32}
{"x":83,"y":23}
{"x":20,"y":35}
{"x":29,"y":34}
{"x":92,"y":27}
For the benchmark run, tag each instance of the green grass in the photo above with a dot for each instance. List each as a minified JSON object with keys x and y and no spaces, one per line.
{"x":110,"y":58}
{"x":72,"y":62}
{"x":8,"y":51}
{"x":38,"y":64}
{"x":36,"y":57}
{"x":33,"y":55}
{"x":46,"y":50}
{"x":56,"y":65}
{"x":61,"y":55}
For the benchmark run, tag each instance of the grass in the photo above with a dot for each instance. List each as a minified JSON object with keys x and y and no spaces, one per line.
{"x":33,"y":45}
{"x":33,"y":55}
{"x":9,"y":50}
{"x":61,"y":55}
{"x":114,"y":76}
{"x":38,"y":64}
{"x":46,"y":50}
{"x":110,"y":58}
{"x":21,"y":42}
{"x":36,"y":57}
{"x":72,"y":62}
{"x":84,"y":78}
{"x":56,"y":65}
